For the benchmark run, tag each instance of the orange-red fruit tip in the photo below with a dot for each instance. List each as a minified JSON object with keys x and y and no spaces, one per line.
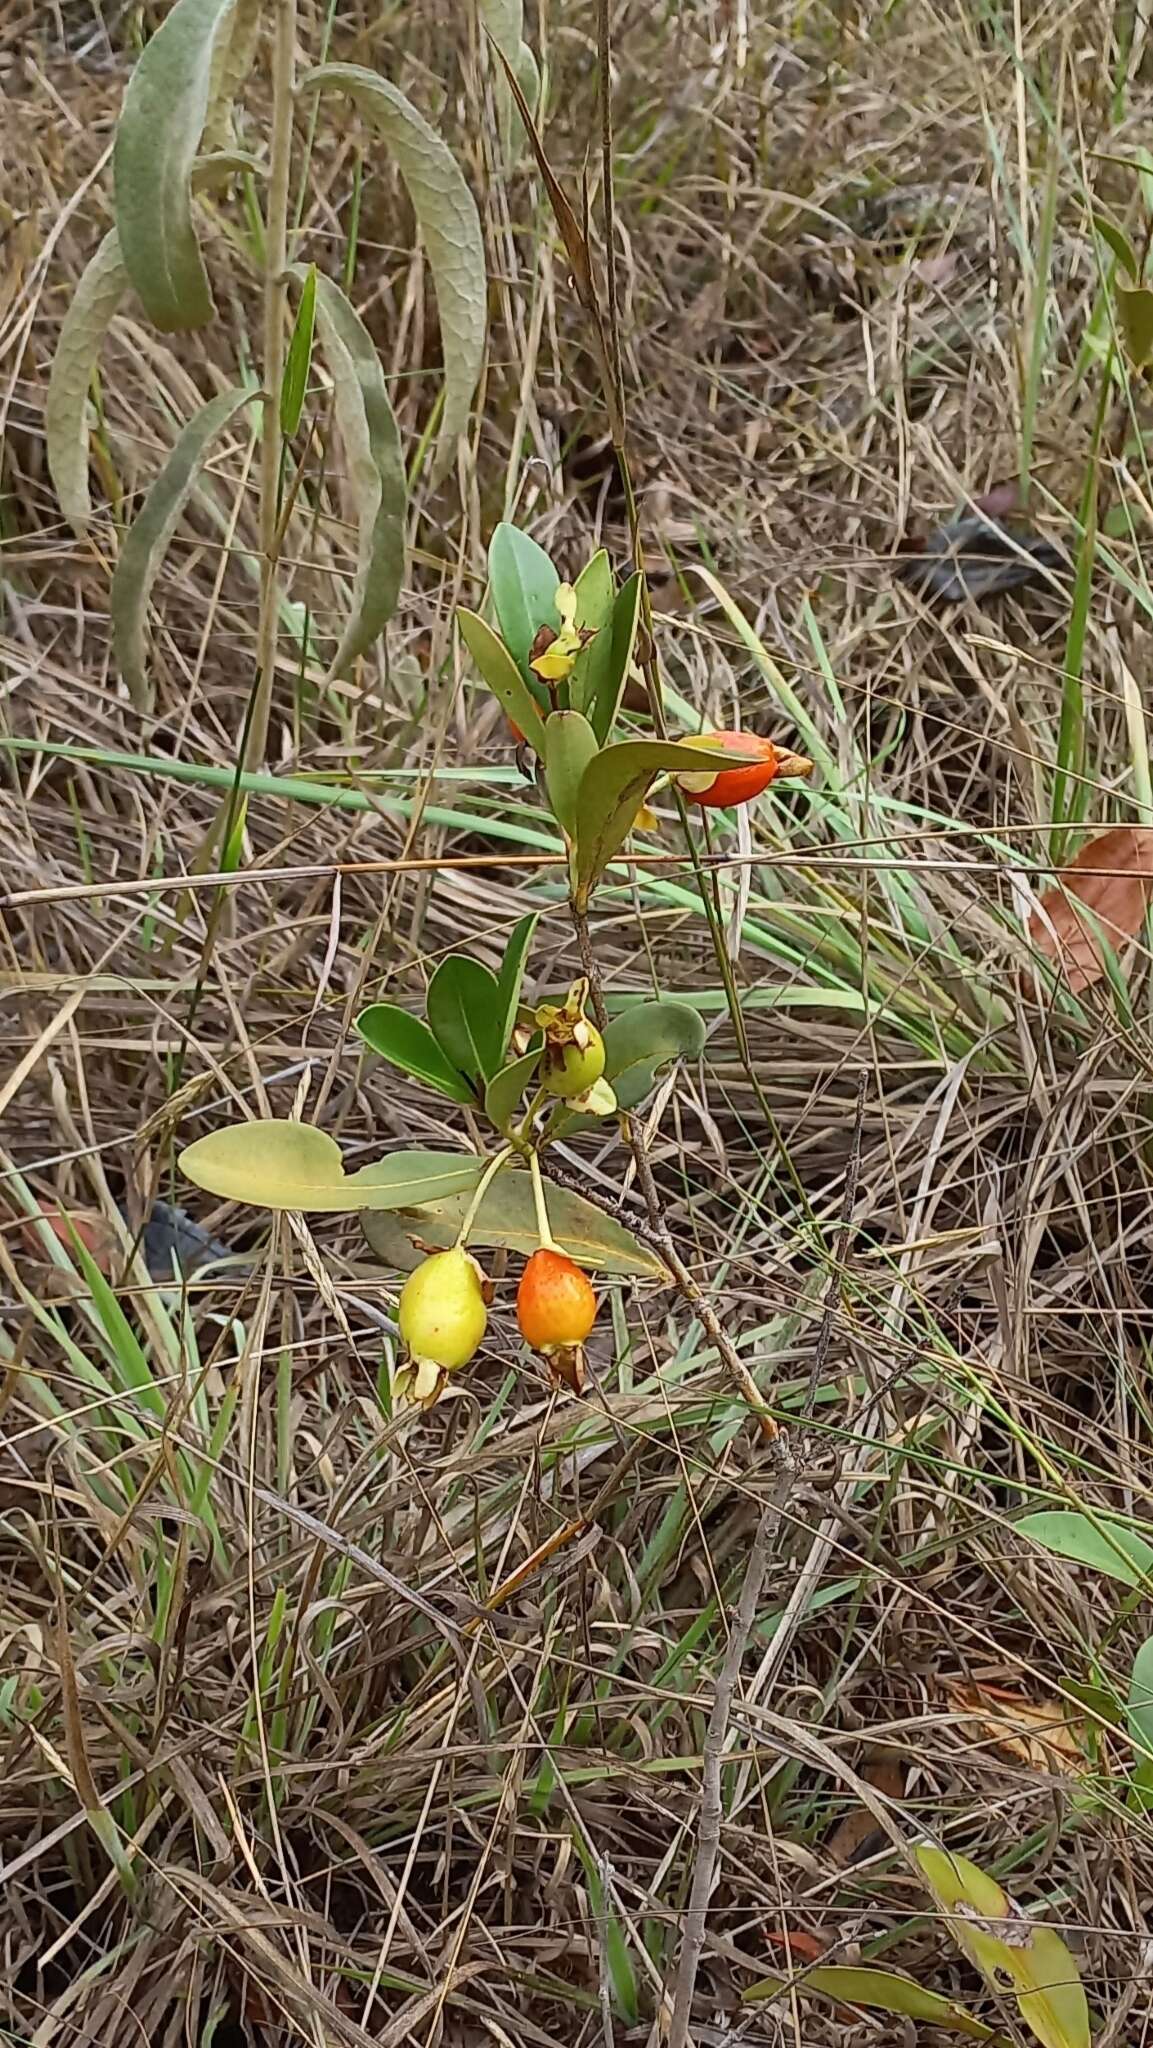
{"x":555,"y":1303}
{"x":764,"y":762}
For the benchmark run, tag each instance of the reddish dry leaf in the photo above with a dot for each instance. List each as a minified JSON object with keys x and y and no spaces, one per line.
{"x":798,"y":1943}
{"x":1113,"y":878}
{"x":90,"y":1227}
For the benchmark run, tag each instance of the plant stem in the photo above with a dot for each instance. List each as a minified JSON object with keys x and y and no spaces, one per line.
{"x":275,"y":303}
{"x":545,"y":1235}
{"x":698,"y":1301}
{"x":498,"y":1160}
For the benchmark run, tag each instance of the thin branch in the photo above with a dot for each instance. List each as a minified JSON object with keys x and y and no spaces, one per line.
{"x":661,"y":1237}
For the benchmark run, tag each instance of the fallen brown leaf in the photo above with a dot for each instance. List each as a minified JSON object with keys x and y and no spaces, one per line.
{"x":1037,"y":1733}
{"x":1112,"y":877}
{"x":858,"y":1836}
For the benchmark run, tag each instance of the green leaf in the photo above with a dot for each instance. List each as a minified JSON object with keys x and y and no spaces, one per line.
{"x":646,"y":1037}
{"x":524,"y":586}
{"x":595,"y":589}
{"x":298,"y":362}
{"x":212,"y":172}
{"x":512,"y":974}
{"x":147,"y":538}
{"x":502,"y":675}
{"x":1033,"y":1958}
{"x":1050,"y":1994}
{"x":879,"y":1991}
{"x":1107,"y":1546}
{"x":1118,"y":241}
{"x":161,"y":122}
{"x":610,"y":667}
{"x":232,"y":62}
{"x":277,"y":1164}
{"x":1135,"y":319}
{"x":504,"y":20}
{"x":569,"y":745}
{"x":1139,"y":1706}
{"x":612,"y":789}
{"x":506,"y":1088}
{"x":98,"y":294}
{"x":407,"y":1043}
{"x":449,"y":225}
{"x":464,"y":1016}
{"x":375,"y":469}
{"x":507,"y":1218}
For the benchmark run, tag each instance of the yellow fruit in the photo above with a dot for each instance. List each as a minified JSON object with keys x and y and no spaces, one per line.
{"x":442,"y":1315}
{"x":574,"y":1051}
{"x":573,"y":1069}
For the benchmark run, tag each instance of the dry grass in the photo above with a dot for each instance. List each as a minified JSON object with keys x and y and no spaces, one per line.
{"x":338,"y":1821}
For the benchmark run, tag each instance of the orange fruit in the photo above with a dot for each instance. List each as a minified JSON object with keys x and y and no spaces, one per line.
{"x":555,"y":1303}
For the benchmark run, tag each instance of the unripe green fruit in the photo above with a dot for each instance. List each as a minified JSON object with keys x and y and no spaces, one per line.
{"x":442,"y":1315}
{"x":572,"y":1069}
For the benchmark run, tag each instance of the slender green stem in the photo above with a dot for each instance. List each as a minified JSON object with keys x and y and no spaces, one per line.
{"x":548,"y":1242}
{"x":275,"y":302}
{"x":498,"y":1160}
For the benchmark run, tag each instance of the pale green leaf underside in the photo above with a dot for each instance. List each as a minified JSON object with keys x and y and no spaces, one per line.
{"x":232,"y":62}
{"x":278,"y":1164}
{"x":879,"y":1991}
{"x":502,"y":675}
{"x":1105,"y":1546}
{"x":507,"y":1218}
{"x":161,"y":123}
{"x":95,"y":300}
{"x":375,"y":470}
{"x":449,"y":225}
{"x":147,"y":538}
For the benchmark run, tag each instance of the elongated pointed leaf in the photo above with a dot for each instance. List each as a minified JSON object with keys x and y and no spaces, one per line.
{"x":278,"y":1164}
{"x":507,"y":1087}
{"x":1139,"y":1709}
{"x":102,"y":286}
{"x":1050,"y":1994}
{"x":1032,"y":1957}
{"x":407,"y":1043}
{"x":161,"y":123}
{"x":298,"y":362}
{"x":879,"y":1991}
{"x":570,"y":744}
{"x":610,"y":657}
{"x":512,"y":974}
{"x":232,"y":62}
{"x":464,"y":1016}
{"x":375,"y":468}
{"x":449,"y":225}
{"x":1116,"y":240}
{"x":524,"y":585}
{"x":504,"y":20}
{"x":612,"y":788}
{"x":502,"y":675}
{"x":595,"y":595}
{"x":1106,"y":1546}
{"x":1135,"y":318}
{"x":147,"y":538}
{"x":507,"y":1218}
